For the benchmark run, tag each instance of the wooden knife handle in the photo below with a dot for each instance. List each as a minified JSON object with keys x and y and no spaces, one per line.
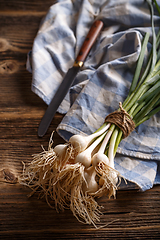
{"x":89,"y":41}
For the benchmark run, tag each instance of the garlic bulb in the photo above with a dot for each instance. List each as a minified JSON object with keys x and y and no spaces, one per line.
{"x":90,"y":185}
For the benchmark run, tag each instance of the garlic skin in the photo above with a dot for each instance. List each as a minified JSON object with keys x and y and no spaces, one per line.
{"x":79,"y":142}
{"x":114,"y":177}
{"x":99,"y":157}
{"x":90,"y":185}
{"x":84,"y":158}
{"x":60,"y":149}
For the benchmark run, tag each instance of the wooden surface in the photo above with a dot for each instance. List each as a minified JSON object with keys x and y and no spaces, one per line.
{"x":133,"y":215}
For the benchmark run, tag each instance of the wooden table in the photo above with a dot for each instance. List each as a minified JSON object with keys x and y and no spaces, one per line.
{"x":133,"y":215}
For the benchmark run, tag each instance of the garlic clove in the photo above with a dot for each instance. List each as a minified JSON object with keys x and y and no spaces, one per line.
{"x":90,"y":186}
{"x":60,"y":149}
{"x":84,"y":158}
{"x":99,"y":157}
{"x":79,"y":142}
{"x":114,"y":177}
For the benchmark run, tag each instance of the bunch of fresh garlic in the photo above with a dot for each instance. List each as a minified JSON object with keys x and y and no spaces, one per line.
{"x":73,"y":174}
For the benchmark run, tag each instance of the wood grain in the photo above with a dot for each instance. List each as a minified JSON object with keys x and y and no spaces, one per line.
{"x":133,"y":215}
{"x":25,"y":5}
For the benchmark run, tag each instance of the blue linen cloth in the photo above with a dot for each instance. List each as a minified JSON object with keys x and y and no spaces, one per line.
{"x":104,"y":79}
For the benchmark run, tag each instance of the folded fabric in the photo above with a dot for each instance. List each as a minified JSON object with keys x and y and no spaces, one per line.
{"x":105,"y":78}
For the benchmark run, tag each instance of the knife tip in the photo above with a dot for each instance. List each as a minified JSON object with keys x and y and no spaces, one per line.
{"x":40,"y":133}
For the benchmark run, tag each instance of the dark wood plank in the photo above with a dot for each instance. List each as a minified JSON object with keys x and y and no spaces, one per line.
{"x":132,"y":215}
{"x":17,"y":33}
{"x":23,"y":5}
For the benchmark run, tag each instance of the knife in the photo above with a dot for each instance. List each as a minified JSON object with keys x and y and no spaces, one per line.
{"x":69,"y":77}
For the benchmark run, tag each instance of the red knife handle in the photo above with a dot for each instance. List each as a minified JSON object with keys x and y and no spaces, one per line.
{"x":89,"y":41}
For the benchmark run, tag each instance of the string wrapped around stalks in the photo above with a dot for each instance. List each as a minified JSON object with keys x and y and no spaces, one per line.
{"x":75,"y":173}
